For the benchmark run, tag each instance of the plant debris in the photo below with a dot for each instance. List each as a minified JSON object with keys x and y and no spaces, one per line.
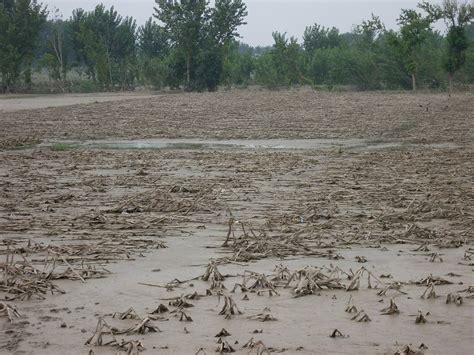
{"x":8,"y":311}
{"x":229,"y":308}
{"x":392,"y":309}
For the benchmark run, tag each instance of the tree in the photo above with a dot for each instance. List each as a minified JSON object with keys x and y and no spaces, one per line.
{"x":152,"y":40}
{"x":183,"y":22}
{"x":57,"y":46}
{"x":238,"y":65}
{"x":281,"y":66}
{"x":457,"y":15}
{"x":414,"y":29}
{"x":20,"y":24}
{"x":201,"y":33}
{"x":369,"y":31}
{"x":107,"y":41}
{"x":317,"y":36}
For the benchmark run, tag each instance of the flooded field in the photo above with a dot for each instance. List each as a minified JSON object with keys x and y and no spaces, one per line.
{"x":288,"y":222}
{"x":238,"y":144}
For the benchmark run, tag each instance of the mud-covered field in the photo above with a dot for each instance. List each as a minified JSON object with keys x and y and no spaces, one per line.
{"x":248,"y":221}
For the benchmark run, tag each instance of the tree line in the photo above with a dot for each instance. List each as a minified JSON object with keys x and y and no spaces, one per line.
{"x":193,"y":45}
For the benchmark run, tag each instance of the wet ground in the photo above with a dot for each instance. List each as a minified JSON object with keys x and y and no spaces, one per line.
{"x":397,"y":203}
{"x":240,"y":144}
{"x":11,"y":103}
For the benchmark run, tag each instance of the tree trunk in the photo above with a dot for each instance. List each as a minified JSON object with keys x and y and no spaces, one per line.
{"x":450,"y":79}
{"x":413,"y":81}
{"x":188,"y":70}
{"x":110,"y":68}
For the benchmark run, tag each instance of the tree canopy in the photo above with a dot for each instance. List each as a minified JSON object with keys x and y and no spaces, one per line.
{"x":194,"y":45}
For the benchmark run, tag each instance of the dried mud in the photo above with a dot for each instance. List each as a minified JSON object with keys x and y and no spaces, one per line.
{"x":304,"y":238}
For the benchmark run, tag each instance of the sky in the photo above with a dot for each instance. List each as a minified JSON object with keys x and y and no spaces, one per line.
{"x":266,"y":16}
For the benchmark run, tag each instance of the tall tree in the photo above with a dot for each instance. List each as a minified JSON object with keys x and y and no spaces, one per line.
{"x":57,"y":45}
{"x":414,"y":29}
{"x":152,"y":40}
{"x":183,"y":22}
{"x":457,"y":15}
{"x":369,"y":31}
{"x":201,"y":32}
{"x":281,"y":65}
{"x":108,"y":43}
{"x":317,"y":36}
{"x":20,"y":24}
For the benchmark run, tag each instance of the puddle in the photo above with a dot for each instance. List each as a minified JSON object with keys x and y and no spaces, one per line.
{"x":242,"y":144}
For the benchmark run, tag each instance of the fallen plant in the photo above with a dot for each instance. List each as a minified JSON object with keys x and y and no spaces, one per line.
{"x":257,"y":283}
{"x":337,"y":334}
{"x":160,"y":309}
{"x":8,"y":311}
{"x":312,"y":279}
{"x":420,"y":318}
{"x":222,"y":333}
{"x":429,"y":292}
{"x":391,"y":309}
{"x":355,"y":282}
{"x":144,"y":327}
{"x":361,"y":316}
{"x":128,"y":314}
{"x":256,"y":347}
{"x":265,"y":316}
{"x":435,"y":280}
{"x":455,"y":298}
{"x":229,"y":308}
{"x":350,"y":307}
{"x":131,"y":347}
{"x":102,"y":330}
{"x":212,"y":273}
{"x":434,"y":257}
{"x":224,"y":347}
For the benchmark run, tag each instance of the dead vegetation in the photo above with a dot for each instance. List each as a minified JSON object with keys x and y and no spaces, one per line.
{"x":69,"y":216}
{"x":30,"y":269}
{"x":8,"y":311}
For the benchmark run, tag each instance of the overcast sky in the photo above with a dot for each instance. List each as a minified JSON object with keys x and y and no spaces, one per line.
{"x":266,"y":16}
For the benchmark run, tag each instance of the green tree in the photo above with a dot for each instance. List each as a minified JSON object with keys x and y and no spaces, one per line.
{"x":281,"y":66}
{"x":20,"y":24}
{"x":201,"y":32}
{"x":317,"y":36}
{"x":369,"y":31}
{"x":238,"y":65}
{"x":457,"y":16}
{"x":107,"y":42}
{"x":153,"y":47}
{"x":152,"y":40}
{"x":183,"y":22}
{"x":57,"y":47}
{"x":414,"y":29}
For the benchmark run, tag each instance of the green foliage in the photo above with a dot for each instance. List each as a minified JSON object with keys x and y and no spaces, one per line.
{"x":316,"y":37}
{"x":200,"y":33}
{"x":107,"y":44}
{"x":193,"y":45}
{"x":20,"y":23}
{"x":368,"y":32}
{"x":457,"y":15}
{"x":48,"y":61}
{"x":238,"y":66}
{"x":152,"y":40}
{"x":282,"y":65}
{"x":414,"y":29}
{"x":343,"y":66}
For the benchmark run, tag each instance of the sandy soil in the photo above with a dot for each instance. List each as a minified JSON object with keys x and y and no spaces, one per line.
{"x":390,"y":192}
